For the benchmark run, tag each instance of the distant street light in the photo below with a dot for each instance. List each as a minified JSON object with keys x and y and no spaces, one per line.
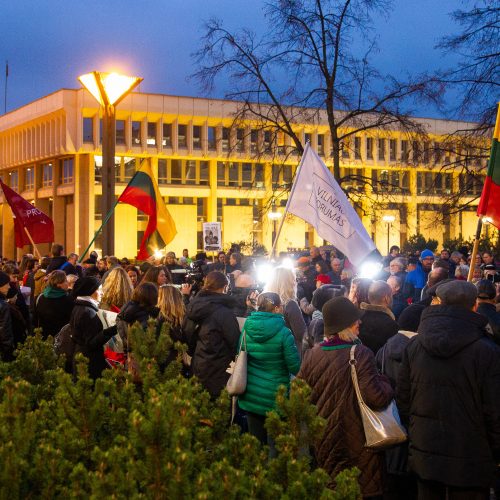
{"x":108,"y":89}
{"x":274,"y":216}
{"x":389,"y":219}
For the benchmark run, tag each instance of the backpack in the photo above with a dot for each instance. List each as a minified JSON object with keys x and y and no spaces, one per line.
{"x":64,"y":345}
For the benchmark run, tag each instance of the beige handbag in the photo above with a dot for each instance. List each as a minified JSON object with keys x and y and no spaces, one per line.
{"x":237,"y":383}
{"x":382,"y":428}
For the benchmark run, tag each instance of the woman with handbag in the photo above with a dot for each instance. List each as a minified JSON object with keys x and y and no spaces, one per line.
{"x":272,"y":358}
{"x":327,"y":370}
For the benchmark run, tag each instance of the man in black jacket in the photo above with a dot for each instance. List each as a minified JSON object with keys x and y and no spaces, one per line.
{"x":6,"y":333}
{"x":448,"y":391}
{"x":486,"y":293}
{"x":378,"y":324}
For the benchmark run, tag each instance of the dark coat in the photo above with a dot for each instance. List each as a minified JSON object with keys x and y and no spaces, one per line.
{"x":6,"y":333}
{"x":489,"y":311}
{"x":215,"y":342}
{"x":56,"y":263}
{"x":448,"y":391}
{"x":51,"y":314}
{"x":342,"y":446}
{"x":89,"y":336}
{"x":132,"y":312}
{"x":377,"y":326}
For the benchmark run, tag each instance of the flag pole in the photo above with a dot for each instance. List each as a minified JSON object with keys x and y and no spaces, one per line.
{"x":108,"y":215}
{"x":104,"y":222}
{"x":475,"y":248}
{"x":275,"y":242}
{"x":35,"y":248}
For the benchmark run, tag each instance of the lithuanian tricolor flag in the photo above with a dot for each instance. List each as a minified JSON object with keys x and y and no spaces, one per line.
{"x":142,"y":192}
{"x":489,"y":206}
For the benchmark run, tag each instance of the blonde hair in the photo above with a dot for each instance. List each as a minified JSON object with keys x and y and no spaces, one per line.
{"x":347,"y":335}
{"x":171,"y":305}
{"x":117,"y":289}
{"x":283,"y":283}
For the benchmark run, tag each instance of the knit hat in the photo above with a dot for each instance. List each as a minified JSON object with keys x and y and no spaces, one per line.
{"x":486,"y":290}
{"x":4,"y":278}
{"x":324,"y":279}
{"x":338,"y":314}
{"x":409,"y":319}
{"x":457,"y":293}
{"x":85,"y":286}
{"x":426,"y":253}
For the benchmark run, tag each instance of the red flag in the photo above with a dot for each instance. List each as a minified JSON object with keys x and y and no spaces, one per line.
{"x":39,"y":225}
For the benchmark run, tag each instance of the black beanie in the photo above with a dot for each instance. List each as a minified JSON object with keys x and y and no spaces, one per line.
{"x":409,"y":319}
{"x":4,"y":278}
{"x":85,"y":286}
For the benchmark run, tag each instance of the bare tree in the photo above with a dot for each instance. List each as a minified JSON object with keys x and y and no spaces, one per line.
{"x":304,"y":71}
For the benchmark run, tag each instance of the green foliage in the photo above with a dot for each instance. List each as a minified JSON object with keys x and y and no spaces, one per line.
{"x":418,"y":242}
{"x":161,"y":438}
{"x":488,"y":243}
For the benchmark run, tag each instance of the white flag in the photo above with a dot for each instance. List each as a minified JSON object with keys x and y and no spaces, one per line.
{"x":318,"y":199}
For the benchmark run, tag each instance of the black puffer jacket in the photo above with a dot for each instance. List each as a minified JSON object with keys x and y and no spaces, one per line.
{"x":131,"y":313}
{"x":448,"y":389}
{"x":51,"y":314}
{"x":89,"y":336}
{"x":6,"y":333}
{"x":215,"y":342}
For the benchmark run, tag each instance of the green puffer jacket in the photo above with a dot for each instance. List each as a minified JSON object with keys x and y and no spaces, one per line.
{"x":272,"y":357}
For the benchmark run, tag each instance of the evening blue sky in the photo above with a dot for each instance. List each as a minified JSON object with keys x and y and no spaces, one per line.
{"x":48,"y":43}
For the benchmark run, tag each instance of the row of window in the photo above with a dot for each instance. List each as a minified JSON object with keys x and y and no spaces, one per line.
{"x":47,"y":176}
{"x":254,"y":141}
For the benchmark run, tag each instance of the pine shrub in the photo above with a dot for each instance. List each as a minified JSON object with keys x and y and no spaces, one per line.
{"x":157,"y":435}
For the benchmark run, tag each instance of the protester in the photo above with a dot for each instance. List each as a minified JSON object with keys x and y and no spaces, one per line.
{"x":315,"y":255}
{"x":336,"y":272}
{"x":58,"y":259}
{"x":315,"y":331}
{"x":399,"y":302}
{"x":284,"y":284}
{"x":171,"y":312}
{"x":378,"y":324}
{"x":359,"y":290}
{"x":40,"y":278}
{"x":272,"y":358}
{"x":157,"y":275}
{"x":111,"y":262}
{"x":327,"y":370}
{"x":141,"y":307}
{"x":486,"y":294}
{"x":418,"y":277}
{"x":212,"y":333}
{"x":447,"y":392}
{"x":116,"y":291}
{"x":87,"y":330}
{"x":134,"y":275}
{"x":172,"y":266}
{"x":53,"y":307}
{"x":6,"y":333}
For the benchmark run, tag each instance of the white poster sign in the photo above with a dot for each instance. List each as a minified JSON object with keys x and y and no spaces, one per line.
{"x":212,"y":236}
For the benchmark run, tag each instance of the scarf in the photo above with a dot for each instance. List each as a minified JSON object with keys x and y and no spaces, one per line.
{"x":53,"y":293}
{"x":92,"y":301}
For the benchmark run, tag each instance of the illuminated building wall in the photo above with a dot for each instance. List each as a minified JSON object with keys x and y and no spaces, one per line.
{"x":209,"y":171}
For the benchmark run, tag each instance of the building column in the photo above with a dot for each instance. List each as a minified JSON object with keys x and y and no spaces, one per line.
{"x":83,"y":201}
{"x":8,"y":236}
{"x":212,"y":198}
{"x":412,"y":214}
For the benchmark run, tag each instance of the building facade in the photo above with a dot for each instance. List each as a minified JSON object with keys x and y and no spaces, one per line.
{"x":209,"y":169}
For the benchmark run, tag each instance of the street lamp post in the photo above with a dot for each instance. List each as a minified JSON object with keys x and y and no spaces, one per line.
{"x":389,"y":219}
{"x":109,"y":89}
{"x":274,"y":216}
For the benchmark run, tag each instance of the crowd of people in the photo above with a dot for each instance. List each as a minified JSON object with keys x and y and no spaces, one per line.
{"x":424,"y":336}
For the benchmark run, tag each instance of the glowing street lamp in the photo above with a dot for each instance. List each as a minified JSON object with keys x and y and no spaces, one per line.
{"x":108,"y":89}
{"x":389,"y":219}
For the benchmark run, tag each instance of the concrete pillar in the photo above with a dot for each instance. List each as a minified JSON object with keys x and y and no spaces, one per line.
{"x":212,"y":198}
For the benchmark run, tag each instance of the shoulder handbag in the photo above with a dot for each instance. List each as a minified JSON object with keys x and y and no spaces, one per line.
{"x":237,"y":383}
{"x":382,"y":428}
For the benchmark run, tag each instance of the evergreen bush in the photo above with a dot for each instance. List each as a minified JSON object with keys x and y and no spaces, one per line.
{"x":161,"y":437}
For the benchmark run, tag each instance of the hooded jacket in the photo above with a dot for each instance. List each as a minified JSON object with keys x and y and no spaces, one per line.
{"x":448,"y":390}
{"x":215,"y":342}
{"x":272,"y":357}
